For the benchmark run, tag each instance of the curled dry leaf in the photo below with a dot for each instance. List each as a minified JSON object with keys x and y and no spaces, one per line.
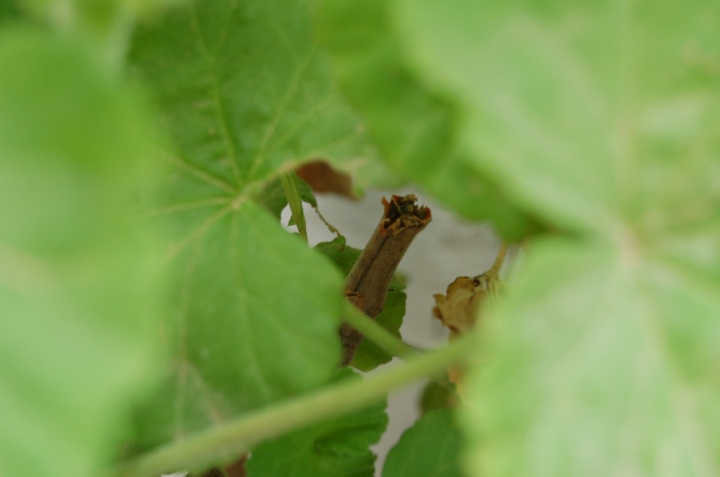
{"x":458,"y":309}
{"x":323,"y":178}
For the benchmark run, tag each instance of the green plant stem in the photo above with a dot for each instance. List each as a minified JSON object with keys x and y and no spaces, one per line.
{"x":226,"y":441}
{"x":372,"y":331}
{"x":292,"y":193}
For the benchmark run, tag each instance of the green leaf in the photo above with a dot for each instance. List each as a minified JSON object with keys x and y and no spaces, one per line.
{"x":430,"y":448}
{"x":78,"y":322}
{"x":597,"y":362}
{"x":245,"y":91}
{"x":245,"y":95}
{"x":412,"y":124}
{"x":587,"y":113}
{"x":436,"y":395}
{"x":369,"y":356}
{"x":99,"y":16}
{"x":256,"y":317}
{"x":335,"y":448}
{"x":9,"y":10}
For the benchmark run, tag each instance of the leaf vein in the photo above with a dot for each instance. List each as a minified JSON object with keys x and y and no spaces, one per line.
{"x":217,"y":100}
{"x":202,"y":174}
{"x":272,"y":127}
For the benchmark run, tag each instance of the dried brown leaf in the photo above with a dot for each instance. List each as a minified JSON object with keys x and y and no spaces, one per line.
{"x":323,"y":178}
{"x":457,"y":309}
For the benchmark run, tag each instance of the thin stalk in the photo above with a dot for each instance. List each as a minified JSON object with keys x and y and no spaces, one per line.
{"x":499,"y":259}
{"x":292,"y":192}
{"x":371,"y":330}
{"x":224,"y":442}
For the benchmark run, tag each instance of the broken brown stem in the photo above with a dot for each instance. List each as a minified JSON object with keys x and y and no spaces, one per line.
{"x":366,"y":285}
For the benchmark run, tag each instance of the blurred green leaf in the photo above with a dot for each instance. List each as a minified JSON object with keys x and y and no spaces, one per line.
{"x":369,"y":356}
{"x":430,"y":448}
{"x":96,"y":16}
{"x":9,"y":10}
{"x":601,"y":118}
{"x":436,"y":395}
{"x":597,"y":362}
{"x":335,"y":448}
{"x":584,"y":112}
{"x":245,"y":95}
{"x":78,"y":324}
{"x":412,"y":124}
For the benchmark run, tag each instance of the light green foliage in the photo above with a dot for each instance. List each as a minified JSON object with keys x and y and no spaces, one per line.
{"x":587,"y":113}
{"x":369,"y":356}
{"x":335,"y":448}
{"x":98,"y":16}
{"x":413,"y":125}
{"x":601,"y":118}
{"x":245,"y":95}
{"x":623,"y":377}
{"x":430,"y":448}
{"x":78,"y":328}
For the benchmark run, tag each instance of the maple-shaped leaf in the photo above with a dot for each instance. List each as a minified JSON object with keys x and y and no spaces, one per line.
{"x":245,"y":96}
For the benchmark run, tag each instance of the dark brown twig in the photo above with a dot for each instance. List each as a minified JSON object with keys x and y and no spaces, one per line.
{"x":367,"y":283}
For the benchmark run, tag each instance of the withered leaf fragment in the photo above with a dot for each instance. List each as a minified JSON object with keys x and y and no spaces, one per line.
{"x":457,"y":309}
{"x":323,"y":178}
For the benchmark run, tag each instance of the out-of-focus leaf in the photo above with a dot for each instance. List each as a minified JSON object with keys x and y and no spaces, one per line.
{"x":597,"y":363}
{"x":430,"y":448}
{"x":585,"y":112}
{"x":9,"y":10}
{"x":369,"y":356}
{"x":334,"y":448}
{"x":412,"y":124}
{"x":437,"y":395}
{"x":94,"y":16}
{"x":245,"y":95}
{"x":78,"y":328}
